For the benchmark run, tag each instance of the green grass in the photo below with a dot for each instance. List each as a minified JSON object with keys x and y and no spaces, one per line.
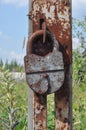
{"x":79,"y":107}
{"x":22,"y":103}
{"x":50,"y":112}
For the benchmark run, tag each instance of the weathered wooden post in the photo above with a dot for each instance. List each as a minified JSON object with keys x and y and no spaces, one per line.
{"x":48,"y":62}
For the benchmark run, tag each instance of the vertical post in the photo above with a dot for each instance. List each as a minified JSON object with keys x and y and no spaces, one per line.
{"x":63,"y":97}
{"x":37,"y":104}
{"x":40,"y":112}
{"x":58,"y":21}
{"x":63,"y":104}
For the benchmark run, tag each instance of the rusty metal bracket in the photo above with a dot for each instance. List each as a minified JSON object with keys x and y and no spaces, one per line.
{"x":48,"y":61}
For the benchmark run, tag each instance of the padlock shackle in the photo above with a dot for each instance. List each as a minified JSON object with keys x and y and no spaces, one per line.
{"x":34,"y":35}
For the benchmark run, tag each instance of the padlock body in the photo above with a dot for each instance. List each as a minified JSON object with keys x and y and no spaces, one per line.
{"x":45,"y":73}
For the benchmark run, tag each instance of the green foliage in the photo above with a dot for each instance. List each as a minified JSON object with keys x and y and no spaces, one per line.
{"x":79,"y":66}
{"x":50,"y":112}
{"x":79,"y":106}
{"x":79,"y":55}
{"x":13,"y":110}
{"x":7,"y":97}
{"x":1,"y":63}
{"x":79,"y":76}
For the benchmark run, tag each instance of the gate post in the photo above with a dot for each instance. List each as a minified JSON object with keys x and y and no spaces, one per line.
{"x":48,"y":62}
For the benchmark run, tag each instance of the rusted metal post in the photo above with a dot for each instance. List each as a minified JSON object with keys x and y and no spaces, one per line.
{"x":63,"y":97}
{"x":63,"y":103}
{"x":48,"y":62}
{"x":37,"y":105}
{"x":40,"y":112}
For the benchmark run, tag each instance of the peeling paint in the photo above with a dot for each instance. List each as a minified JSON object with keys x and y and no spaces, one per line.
{"x":57,"y":16}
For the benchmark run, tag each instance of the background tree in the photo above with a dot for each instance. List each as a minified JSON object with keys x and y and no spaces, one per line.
{"x":79,"y":75}
{"x":1,"y":63}
{"x":79,"y":54}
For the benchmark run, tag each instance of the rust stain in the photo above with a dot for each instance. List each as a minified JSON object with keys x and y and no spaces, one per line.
{"x":57,"y":15}
{"x":63,"y":104}
{"x":44,"y":64}
{"x":40,"y":112}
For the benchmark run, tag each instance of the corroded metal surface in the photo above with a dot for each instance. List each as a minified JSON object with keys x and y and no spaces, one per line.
{"x":37,"y":77}
{"x":63,"y":109}
{"x":44,"y":74}
{"x":40,"y":112}
{"x":57,"y":15}
{"x":52,"y":16}
{"x":52,"y":61}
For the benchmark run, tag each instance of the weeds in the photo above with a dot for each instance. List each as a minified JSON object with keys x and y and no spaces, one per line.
{"x":10,"y":111}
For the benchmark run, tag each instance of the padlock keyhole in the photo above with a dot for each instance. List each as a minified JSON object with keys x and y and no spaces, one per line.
{"x":40,"y":48}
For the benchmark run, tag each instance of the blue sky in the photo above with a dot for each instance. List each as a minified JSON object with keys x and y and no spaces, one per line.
{"x":14,"y":26}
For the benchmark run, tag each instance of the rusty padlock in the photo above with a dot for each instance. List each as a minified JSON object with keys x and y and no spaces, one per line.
{"x":44,"y":64}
